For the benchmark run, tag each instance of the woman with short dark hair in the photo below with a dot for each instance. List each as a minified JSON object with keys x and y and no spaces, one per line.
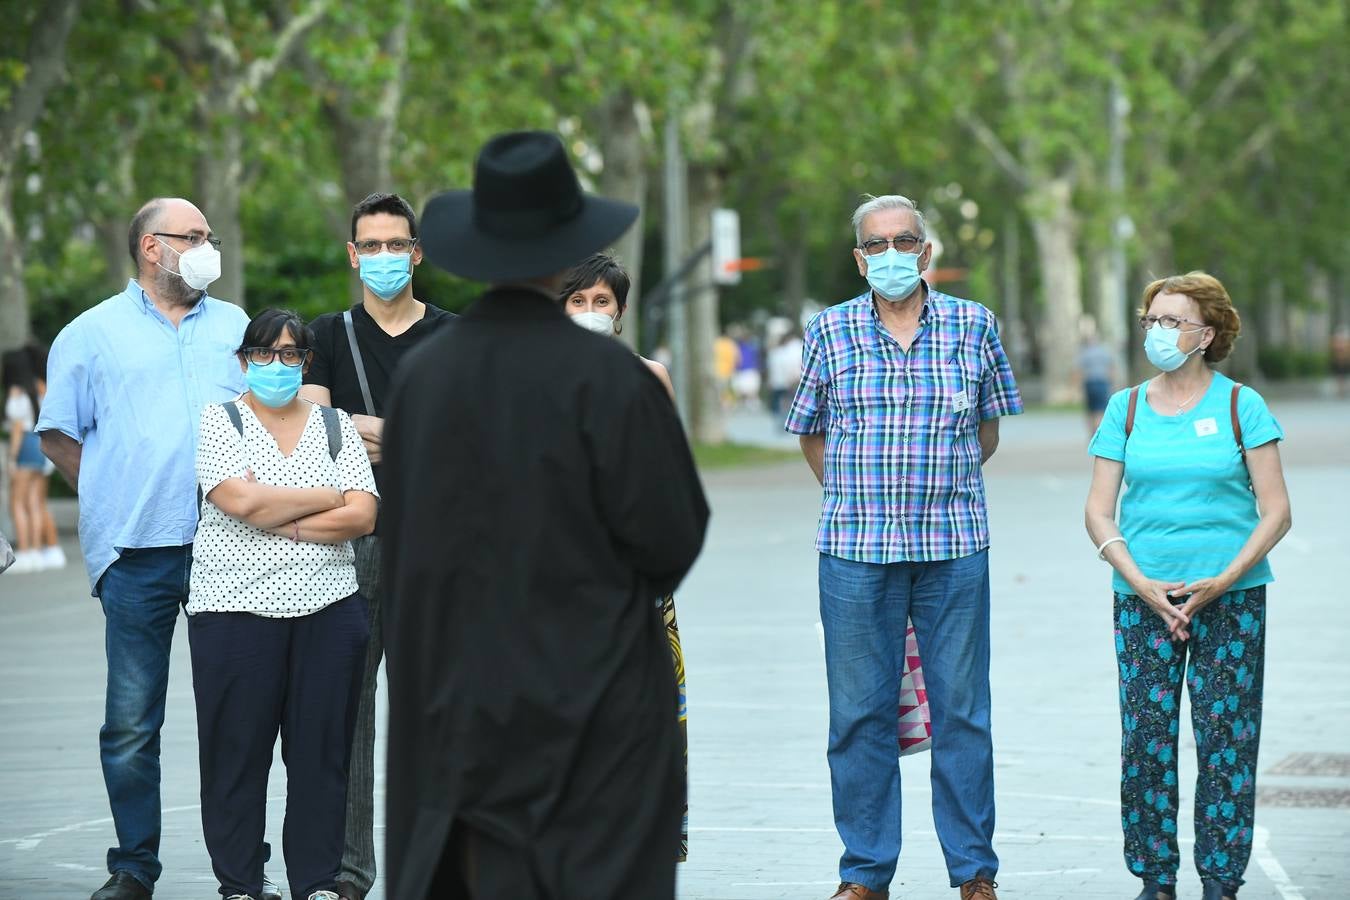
{"x":1205,"y":502}
{"x":277,"y":628}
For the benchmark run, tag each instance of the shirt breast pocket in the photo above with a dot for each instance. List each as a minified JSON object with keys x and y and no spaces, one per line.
{"x":958,"y":391}
{"x":848,"y":393}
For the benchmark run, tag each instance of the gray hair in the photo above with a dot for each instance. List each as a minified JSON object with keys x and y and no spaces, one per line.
{"x":873,"y":204}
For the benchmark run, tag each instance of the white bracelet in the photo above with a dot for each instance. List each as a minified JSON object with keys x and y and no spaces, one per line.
{"x":1101,"y":551}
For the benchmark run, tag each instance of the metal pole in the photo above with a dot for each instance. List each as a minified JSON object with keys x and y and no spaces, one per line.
{"x":676,"y":231}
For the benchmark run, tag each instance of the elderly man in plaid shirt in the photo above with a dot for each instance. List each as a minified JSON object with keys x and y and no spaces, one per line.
{"x":897,"y":409}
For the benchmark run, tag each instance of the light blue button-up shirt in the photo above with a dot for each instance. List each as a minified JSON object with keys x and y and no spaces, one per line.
{"x":130,"y":387}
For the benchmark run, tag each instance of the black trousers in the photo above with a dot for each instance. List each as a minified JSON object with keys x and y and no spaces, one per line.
{"x":254,"y":677}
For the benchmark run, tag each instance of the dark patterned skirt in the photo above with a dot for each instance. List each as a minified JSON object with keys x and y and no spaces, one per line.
{"x":667,"y":606}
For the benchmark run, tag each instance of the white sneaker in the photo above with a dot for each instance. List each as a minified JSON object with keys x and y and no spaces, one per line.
{"x":324,"y":895}
{"x":25,"y":561}
{"x":53,"y":557}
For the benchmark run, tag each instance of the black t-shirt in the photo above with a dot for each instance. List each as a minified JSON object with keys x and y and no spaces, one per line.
{"x":333,"y":367}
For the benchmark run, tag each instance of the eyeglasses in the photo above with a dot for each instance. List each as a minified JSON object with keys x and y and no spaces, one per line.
{"x":1167,"y":322}
{"x":289,"y":356}
{"x":193,"y":240}
{"x":905,"y":243}
{"x":395,"y":245}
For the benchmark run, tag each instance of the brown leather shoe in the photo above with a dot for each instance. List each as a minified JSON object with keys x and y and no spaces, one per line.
{"x":979,"y":888}
{"x":850,"y":891}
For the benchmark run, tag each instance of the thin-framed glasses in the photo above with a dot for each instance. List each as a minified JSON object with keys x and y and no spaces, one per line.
{"x":1167,"y":322}
{"x":289,"y":356}
{"x":395,"y":245}
{"x":905,"y":243}
{"x":193,"y":240}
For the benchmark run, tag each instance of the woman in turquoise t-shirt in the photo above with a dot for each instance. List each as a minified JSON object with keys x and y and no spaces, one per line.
{"x":1205,"y":501}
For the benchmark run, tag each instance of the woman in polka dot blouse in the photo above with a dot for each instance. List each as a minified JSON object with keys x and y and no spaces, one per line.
{"x":276,"y":625}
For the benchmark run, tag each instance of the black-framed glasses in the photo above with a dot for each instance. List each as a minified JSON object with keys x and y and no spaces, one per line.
{"x":905,"y":243}
{"x":193,"y":240}
{"x":395,"y":245}
{"x":1168,"y":322}
{"x":289,"y":356}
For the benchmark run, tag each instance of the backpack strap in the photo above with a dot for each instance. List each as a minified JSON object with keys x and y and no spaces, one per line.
{"x":1237,"y":426}
{"x":333,"y":426}
{"x":232,"y":410}
{"x":360,"y":364}
{"x":1129,"y":411}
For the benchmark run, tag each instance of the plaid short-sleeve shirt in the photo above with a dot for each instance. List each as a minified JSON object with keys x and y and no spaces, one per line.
{"x":902,"y":450}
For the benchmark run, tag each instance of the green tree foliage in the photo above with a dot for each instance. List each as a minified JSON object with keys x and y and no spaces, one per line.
{"x":993,"y":116}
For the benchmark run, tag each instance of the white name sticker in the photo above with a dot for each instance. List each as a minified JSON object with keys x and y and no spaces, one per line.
{"x":960,"y":402}
{"x":1206,"y":427}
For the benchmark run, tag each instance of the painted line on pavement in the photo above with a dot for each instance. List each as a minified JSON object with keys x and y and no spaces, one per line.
{"x":29,"y":842}
{"x":1271,"y":866}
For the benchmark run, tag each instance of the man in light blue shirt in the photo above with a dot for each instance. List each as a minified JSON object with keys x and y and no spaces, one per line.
{"x":126,"y":384}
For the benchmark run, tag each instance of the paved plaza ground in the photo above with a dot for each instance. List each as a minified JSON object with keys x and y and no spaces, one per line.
{"x":760,"y":801}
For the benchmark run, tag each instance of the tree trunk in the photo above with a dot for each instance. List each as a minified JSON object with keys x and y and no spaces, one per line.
{"x":705,"y":407}
{"x":624,"y":177}
{"x":1055,"y":226}
{"x":795,"y":274}
{"x":220,"y":179}
{"x":1013,"y":323}
{"x":41,"y":69}
{"x":14,"y":319}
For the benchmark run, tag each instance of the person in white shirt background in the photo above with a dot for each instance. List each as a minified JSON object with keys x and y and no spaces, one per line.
{"x":35,"y":530}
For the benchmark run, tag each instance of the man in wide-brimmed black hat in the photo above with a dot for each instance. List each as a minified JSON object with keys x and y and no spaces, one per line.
{"x":541,"y":495}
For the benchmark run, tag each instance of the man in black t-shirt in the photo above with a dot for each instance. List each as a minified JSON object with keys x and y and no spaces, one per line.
{"x":355,"y":355}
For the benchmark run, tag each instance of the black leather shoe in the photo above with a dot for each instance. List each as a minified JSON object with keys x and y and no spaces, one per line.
{"x":122,"y":886}
{"x":269,"y":890}
{"x":1154,"y":891}
{"x":1213,"y":890}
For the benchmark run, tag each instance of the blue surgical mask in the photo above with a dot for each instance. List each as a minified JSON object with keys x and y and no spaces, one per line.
{"x":1160,"y":346}
{"x":274,"y":384}
{"x":385,"y":273}
{"x":893,"y":275}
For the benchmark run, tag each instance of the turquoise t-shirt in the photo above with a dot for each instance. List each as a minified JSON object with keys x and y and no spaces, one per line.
{"x":1187,"y":508}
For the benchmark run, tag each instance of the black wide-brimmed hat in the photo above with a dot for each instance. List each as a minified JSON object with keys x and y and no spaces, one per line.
{"x":526,"y":216}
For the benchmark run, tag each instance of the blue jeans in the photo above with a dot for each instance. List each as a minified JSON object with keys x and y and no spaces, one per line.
{"x":141,"y":594}
{"x":863,"y":608}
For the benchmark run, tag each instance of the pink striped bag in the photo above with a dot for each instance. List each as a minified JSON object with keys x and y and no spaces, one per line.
{"x":915,"y":726}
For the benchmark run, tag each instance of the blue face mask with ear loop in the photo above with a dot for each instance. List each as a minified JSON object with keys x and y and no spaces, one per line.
{"x":1160,"y":346}
{"x":386,"y":273}
{"x":274,"y":384}
{"x":893,"y":275}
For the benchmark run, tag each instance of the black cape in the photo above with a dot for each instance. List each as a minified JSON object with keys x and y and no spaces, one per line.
{"x":539,"y":497}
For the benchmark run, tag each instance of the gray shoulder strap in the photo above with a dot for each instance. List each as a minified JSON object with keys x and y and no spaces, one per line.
{"x":232,"y":411}
{"x":360,"y":364}
{"x":333,"y":426}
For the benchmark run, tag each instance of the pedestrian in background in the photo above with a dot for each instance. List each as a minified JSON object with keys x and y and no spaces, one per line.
{"x":25,"y":384}
{"x":785,"y":371}
{"x":277,"y":626}
{"x":747,"y":380}
{"x":539,"y":495}
{"x":356,"y":353}
{"x":726,"y":359}
{"x":126,"y":383}
{"x":898,"y":408}
{"x":1205,"y":501}
{"x":1096,"y":371}
{"x":595,"y":295}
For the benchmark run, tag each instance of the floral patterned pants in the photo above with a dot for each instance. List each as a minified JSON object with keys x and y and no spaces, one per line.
{"x":1222,"y":663}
